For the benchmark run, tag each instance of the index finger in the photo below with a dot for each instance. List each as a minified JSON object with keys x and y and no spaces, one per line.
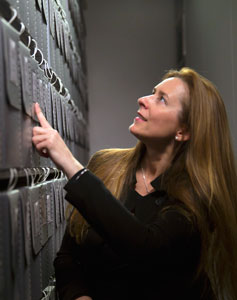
{"x":43,"y":122}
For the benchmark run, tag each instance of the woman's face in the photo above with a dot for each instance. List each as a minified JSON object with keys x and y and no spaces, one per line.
{"x":158,"y":114}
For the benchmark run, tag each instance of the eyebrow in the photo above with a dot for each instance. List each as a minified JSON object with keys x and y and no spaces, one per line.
{"x":160,"y":92}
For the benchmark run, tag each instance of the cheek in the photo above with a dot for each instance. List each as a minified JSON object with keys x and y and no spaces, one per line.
{"x":167,"y":120}
{"x":165,"y":124}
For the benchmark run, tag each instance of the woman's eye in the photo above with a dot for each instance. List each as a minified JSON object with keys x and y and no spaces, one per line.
{"x":162,"y":99}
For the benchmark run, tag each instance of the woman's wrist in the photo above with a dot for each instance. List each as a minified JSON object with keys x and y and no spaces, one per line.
{"x":72,"y":167}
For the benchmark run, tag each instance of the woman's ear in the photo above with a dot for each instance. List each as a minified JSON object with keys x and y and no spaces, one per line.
{"x":182,"y":135}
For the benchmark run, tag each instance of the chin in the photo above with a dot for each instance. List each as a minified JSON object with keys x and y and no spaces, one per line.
{"x":132,"y":129}
{"x":134,"y":132}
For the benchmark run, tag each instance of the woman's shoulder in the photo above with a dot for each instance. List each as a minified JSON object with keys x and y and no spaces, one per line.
{"x":108,"y":155}
{"x":108,"y":162}
{"x":112,"y":152}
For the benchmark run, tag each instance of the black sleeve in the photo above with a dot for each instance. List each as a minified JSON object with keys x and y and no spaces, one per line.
{"x":121,"y":229}
{"x":70,"y":278}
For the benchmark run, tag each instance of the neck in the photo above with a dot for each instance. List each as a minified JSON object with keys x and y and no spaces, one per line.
{"x":156,"y":160}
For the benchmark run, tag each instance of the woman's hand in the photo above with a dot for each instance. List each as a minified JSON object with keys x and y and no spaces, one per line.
{"x":49,"y":143}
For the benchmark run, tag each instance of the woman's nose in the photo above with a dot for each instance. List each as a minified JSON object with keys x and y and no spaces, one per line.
{"x":143,"y":101}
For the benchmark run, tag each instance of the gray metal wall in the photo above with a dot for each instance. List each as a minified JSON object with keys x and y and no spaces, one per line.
{"x":212,"y":48}
{"x":41,"y":59}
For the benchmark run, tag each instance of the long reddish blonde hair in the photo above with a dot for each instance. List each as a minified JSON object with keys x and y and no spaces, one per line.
{"x":202,"y":177}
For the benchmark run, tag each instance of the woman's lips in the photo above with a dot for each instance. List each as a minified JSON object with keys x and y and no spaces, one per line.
{"x":140,"y":117}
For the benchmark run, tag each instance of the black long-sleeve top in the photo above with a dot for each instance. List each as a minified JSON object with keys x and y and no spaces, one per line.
{"x":132,"y":251}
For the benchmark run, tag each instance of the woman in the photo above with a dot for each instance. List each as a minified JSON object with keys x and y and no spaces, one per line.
{"x":157,"y":221}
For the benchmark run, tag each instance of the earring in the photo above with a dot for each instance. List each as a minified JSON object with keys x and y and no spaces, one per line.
{"x":176,"y":138}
